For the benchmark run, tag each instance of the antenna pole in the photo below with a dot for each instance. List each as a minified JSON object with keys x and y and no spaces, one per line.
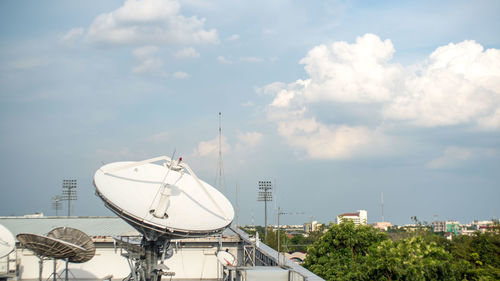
{"x":220,"y":153}
{"x":279,"y":211}
{"x":382,"y":206}
{"x":237,"y":207}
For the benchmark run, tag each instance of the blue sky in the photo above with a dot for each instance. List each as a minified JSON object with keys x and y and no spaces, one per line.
{"x":337,"y":101}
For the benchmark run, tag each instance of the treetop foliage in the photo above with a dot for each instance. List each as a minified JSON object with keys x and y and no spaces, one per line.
{"x":350,"y":252}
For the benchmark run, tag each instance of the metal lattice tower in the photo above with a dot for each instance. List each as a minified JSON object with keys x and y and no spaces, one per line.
{"x":265,"y":195}
{"x":69,"y":193}
{"x":56,"y":204}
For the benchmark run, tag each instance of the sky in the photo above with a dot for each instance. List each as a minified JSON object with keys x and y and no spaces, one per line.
{"x":336,"y":102}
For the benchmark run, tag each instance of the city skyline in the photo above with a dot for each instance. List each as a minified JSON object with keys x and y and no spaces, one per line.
{"x":335,"y":102}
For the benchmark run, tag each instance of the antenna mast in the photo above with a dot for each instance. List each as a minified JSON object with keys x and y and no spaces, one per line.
{"x":220,"y":153}
{"x":382,"y":197}
{"x":237,"y":207}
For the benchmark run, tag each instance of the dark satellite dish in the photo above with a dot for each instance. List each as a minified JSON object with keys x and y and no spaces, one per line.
{"x":49,"y":247}
{"x":76,"y":237}
{"x":7,"y":241}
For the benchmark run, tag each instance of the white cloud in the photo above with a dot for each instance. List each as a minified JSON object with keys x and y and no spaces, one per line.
{"x":329,"y":141}
{"x":211,"y":148}
{"x":159,"y":137}
{"x":251,"y":59}
{"x":245,"y":141}
{"x":344,"y":72}
{"x":180,"y":75}
{"x":223,"y":59}
{"x":187,"y":53}
{"x":227,"y":60}
{"x":147,"y":60}
{"x":458,"y":84}
{"x":149,"y":22}
{"x":149,"y":65}
{"x":452,"y":157}
{"x":145,"y":51}
{"x":490,"y":122}
{"x":249,"y":139}
{"x":233,"y":37}
{"x":71,"y":36}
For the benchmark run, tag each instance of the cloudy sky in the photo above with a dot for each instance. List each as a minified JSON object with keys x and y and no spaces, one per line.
{"x":335,"y":101}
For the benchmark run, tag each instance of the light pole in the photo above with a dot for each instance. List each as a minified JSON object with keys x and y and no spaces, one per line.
{"x":265,"y":194}
{"x":69,"y":193}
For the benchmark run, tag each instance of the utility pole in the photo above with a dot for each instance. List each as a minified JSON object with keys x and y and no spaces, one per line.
{"x":279,"y":213}
{"x":56,"y":204}
{"x":279,"y":227}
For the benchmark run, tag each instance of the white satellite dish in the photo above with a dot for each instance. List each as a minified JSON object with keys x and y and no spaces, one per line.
{"x":225,"y":258}
{"x":163,"y":200}
{"x":7,"y":241}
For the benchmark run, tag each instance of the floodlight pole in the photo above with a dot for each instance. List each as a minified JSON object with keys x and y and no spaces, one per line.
{"x":265,"y":220}
{"x":69,"y":193}
{"x":265,"y":194}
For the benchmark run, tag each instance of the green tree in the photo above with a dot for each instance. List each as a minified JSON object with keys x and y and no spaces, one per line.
{"x":300,"y":242}
{"x":339,"y":253}
{"x":412,"y":259}
{"x":482,"y":251}
{"x":272,"y":239}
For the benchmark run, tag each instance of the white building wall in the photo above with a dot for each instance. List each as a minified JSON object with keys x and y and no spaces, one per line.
{"x":363,"y":217}
{"x":187,"y":263}
{"x":106,"y":261}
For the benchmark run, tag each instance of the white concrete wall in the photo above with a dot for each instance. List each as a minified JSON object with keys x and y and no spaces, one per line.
{"x":187,"y":263}
{"x":196,"y":263}
{"x":105,"y":262}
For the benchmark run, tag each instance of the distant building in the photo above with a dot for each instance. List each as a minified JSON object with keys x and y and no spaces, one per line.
{"x":446,"y":226}
{"x":307,"y":227}
{"x":361,"y":217}
{"x":482,"y":226}
{"x":383,"y":225}
{"x":312,"y":226}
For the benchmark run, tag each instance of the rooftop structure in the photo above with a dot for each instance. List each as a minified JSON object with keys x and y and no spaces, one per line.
{"x":383,"y":225}
{"x":360,"y":217}
{"x":195,"y":258}
{"x":446,"y":226}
